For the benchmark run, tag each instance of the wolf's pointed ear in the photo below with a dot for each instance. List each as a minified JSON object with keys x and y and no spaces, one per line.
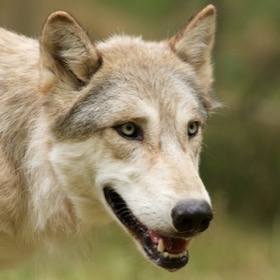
{"x":67,"y":53}
{"x":194,"y":42}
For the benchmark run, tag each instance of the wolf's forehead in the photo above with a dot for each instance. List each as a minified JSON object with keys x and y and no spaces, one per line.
{"x":129,"y":55}
{"x":147,"y":70}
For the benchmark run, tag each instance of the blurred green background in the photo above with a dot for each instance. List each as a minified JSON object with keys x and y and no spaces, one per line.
{"x":241,"y":158}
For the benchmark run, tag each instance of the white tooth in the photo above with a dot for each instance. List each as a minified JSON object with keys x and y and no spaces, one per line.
{"x":165,"y":254}
{"x":160,"y":246}
{"x":171,"y":256}
{"x":183,"y":254}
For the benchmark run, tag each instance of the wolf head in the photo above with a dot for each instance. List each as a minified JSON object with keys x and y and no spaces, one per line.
{"x":126,"y":119}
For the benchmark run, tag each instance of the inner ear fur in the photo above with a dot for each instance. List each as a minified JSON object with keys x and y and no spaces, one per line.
{"x":66,"y":50}
{"x":194,"y":43}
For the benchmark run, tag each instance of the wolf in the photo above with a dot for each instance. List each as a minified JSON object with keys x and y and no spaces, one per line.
{"x":95,"y":131}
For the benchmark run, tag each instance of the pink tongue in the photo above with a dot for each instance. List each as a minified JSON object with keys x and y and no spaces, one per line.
{"x":171,"y":245}
{"x":174,"y":245}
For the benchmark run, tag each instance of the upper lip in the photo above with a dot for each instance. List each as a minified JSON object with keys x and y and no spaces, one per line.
{"x":169,"y":252}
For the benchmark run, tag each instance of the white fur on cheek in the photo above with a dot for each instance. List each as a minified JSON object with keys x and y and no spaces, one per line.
{"x":74,"y":164}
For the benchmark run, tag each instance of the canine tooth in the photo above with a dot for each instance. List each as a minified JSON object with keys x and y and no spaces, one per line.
{"x":160,"y":246}
{"x":188,"y":243}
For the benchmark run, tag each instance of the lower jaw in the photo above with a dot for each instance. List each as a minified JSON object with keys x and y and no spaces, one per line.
{"x":171,"y":264}
{"x":166,"y":260}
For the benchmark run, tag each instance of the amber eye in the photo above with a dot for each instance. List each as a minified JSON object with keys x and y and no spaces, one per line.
{"x":130,"y":131}
{"x":193,"y":128}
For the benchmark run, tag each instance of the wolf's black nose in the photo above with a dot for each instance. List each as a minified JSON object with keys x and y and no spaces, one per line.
{"x":191,"y":216}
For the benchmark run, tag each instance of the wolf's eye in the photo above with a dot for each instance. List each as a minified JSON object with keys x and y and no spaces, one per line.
{"x":130,"y":131}
{"x":193,"y":128}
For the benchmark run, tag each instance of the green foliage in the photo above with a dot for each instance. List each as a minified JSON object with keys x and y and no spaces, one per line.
{"x":144,"y":9}
{"x":243,"y":139}
{"x":223,"y":252}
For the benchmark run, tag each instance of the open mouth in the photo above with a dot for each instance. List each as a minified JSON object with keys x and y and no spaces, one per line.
{"x":165,"y":251}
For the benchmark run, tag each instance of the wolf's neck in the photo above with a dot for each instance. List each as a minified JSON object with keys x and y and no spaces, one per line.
{"x":60,"y":200}
{"x":49,"y":210}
